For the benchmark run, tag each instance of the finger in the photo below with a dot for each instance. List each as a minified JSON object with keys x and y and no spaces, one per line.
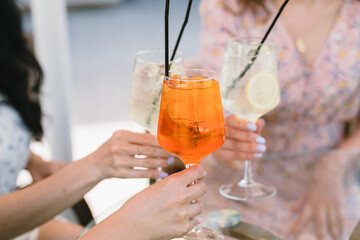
{"x":333,"y":226}
{"x":260,"y":125}
{"x":195,"y":208}
{"x":299,"y":204}
{"x":130,"y":162}
{"x":240,"y":124}
{"x":232,"y":156}
{"x":339,"y":214}
{"x":137,"y":138}
{"x":300,"y":222}
{"x":244,"y":136}
{"x":192,"y":223}
{"x":244,"y":147}
{"x":139,"y":173}
{"x":191,"y":174}
{"x":320,"y":221}
{"x":133,"y":149}
{"x":195,"y":191}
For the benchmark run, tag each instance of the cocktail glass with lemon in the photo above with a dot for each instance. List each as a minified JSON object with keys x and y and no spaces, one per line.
{"x":249,"y":97}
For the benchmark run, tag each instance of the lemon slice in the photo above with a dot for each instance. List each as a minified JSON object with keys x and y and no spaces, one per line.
{"x":262,"y":91}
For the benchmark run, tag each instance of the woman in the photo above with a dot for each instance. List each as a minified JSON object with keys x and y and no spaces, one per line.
{"x":318,"y":58}
{"x":20,"y":121}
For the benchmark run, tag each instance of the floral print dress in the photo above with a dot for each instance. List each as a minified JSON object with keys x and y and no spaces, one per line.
{"x":14,"y":152}
{"x":316,"y":100}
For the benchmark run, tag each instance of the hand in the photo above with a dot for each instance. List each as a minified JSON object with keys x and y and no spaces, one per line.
{"x":40,"y":169}
{"x":116,"y":157}
{"x":242,"y":142}
{"x":165,"y":210}
{"x":322,"y":203}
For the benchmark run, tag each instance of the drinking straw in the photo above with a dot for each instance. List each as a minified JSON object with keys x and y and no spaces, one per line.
{"x":248,"y":66}
{"x":167,"y":6}
{"x":167,"y":66}
{"x":182,"y":29}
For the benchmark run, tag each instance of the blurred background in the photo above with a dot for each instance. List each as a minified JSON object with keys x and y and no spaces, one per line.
{"x":103,"y":37}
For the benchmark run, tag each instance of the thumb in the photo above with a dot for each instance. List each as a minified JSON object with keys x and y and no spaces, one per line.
{"x":299,"y":204}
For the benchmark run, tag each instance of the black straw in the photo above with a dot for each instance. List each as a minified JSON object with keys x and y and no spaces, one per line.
{"x":248,"y":66}
{"x":182,"y":29}
{"x":167,"y":6}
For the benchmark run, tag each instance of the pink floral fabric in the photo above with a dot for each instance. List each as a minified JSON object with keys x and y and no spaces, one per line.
{"x":315,"y":100}
{"x":315,"y":103}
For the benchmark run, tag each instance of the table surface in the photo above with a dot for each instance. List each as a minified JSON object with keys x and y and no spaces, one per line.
{"x":271,"y":218}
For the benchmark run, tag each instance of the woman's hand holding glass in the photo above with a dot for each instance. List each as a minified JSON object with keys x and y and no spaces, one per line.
{"x":243,"y":142}
{"x":165,"y":210}
{"x":116,"y":157}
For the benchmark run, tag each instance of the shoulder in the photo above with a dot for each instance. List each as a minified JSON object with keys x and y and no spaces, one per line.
{"x":12,"y":128}
{"x":8,"y":115}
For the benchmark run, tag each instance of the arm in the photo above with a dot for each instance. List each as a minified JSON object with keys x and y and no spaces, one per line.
{"x":322,"y":202}
{"x":28,"y":208}
{"x":25,"y":209}
{"x":40,"y":169}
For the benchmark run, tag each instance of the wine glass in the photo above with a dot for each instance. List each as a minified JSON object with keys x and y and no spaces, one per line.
{"x":249,"y":97}
{"x":191,"y":123}
{"x":146,"y":86}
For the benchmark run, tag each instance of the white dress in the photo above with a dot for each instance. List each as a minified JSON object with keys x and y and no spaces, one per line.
{"x":14,"y":152}
{"x":14,"y":146}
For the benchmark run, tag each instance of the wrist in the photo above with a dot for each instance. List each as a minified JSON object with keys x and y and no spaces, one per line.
{"x":131,"y":228}
{"x":88,"y":167}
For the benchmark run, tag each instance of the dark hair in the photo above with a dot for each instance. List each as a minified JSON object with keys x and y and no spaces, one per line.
{"x":20,"y":73}
{"x":257,"y":7}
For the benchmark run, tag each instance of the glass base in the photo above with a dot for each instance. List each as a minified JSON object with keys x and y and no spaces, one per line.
{"x":245,"y":191}
{"x":202,"y":233}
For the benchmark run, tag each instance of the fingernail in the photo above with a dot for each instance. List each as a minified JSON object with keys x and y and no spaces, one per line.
{"x":252,"y":127}
{"x":258,"y":155}
{"x":171,"y":160}
{"x":260,"y":140}
{"x":261,"y":148}
{"x":163,"y":175}
{"x":198,"y":220}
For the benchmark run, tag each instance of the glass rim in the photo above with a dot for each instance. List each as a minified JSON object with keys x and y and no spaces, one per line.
{"x":248,"y":41}
{"x":157,"y":50}
{"x":212,"y":77}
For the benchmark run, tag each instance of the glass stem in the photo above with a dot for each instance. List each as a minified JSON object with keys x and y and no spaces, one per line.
{"x":248,"y":177}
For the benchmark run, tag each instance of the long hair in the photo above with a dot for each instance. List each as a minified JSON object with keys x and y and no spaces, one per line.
{"x":20,"y":73}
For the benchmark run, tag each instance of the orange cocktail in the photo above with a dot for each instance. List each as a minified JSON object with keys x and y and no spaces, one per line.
{"x":191,"y":122}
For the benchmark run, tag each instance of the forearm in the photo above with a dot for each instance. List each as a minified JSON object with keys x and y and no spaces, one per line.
{"x":116,"y":227}
{"x":28,"y":208}
{"x":353,"y":142}
{"x":338,"y":160}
